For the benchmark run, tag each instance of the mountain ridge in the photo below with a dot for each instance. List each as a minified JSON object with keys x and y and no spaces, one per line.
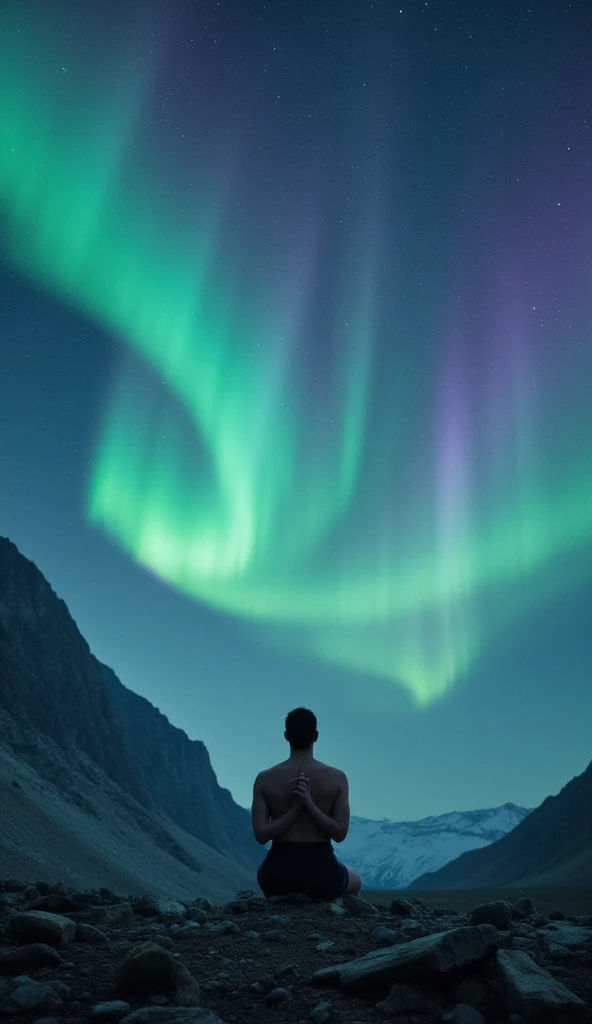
{"x":391,"y":854}
{"x":65,"y":745}
{"x":552,"y":846}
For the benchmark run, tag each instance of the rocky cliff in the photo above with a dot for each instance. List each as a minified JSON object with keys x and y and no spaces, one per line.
{"x":78,"y":791}
{"x":177,"y":773}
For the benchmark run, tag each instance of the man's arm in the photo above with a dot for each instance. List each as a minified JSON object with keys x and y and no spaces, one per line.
{"x":265,"y":829}
{"x":335,"y":826}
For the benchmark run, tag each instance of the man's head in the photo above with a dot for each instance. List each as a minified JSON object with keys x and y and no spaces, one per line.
{"x":301,"y":729}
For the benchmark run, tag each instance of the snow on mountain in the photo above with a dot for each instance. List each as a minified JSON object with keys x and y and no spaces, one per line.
{"x":392,"y":854}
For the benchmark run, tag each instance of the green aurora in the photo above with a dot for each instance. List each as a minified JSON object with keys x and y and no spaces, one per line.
{"x":342,"y":522}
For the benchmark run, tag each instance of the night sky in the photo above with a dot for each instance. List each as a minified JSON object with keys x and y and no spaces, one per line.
{"x":296,"y":377}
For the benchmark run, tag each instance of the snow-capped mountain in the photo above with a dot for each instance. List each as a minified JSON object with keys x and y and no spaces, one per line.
{"x":392,"y":854}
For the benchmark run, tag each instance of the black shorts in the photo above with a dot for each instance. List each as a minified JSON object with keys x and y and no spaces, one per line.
{"x":310,"y":868}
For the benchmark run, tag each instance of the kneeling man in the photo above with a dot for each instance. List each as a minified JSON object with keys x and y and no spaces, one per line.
{"x":302,"y":804}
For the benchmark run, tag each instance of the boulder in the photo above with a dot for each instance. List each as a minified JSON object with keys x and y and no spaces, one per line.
{"x":359,"y":907}
{"x":147,"y":969}
{"x":525,"y":905}
{"x":385,"y":936}
{"x":497,"y":913}
{"x":405,"y":998}
{"x":89,"y":934}
{"x":402,"y":907}
{"x":28,"y":958}
{"x":423,"y":960}
{"x":277,"y":996}
{"x":32,"y":926}
{"x":529,"y":990}
{"x":32,"y":997}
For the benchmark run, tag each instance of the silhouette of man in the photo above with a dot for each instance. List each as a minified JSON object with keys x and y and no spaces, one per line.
{"x":302,"y":804}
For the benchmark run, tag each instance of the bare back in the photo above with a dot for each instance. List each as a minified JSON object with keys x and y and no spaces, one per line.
{"x":326,"y":783}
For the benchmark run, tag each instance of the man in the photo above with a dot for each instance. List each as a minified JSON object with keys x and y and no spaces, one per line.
{"x":301,"y":805}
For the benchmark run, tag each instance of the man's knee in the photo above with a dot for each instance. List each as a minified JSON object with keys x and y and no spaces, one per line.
{"x":355,"y":882}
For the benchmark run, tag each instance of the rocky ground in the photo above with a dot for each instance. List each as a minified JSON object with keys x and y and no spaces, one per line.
{"x":91,"y":956}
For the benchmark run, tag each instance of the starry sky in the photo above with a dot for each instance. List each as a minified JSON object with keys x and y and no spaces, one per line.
{"x":296,"y":379}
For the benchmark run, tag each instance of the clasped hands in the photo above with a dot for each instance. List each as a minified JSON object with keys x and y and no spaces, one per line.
{"x":301,"y":790}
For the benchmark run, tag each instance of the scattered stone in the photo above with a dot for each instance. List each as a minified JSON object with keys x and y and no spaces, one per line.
{"x":401,"y":907}
{"x":223,"y":927}
{"x":150,"y":906}
{"x":29,"y":957}
{"x":113,"y":1010}
{"x":186,"y":929}
{"x":336,"y":908}
{"x":275,"y":935}
{"x":412,"y":929}
{"x":556,"y":915}
{"x":197,"y":916}
{"x":464,"y":1014}
{"x":89,"y":934}
{"x":31,"y":893}
{"x":238,"y":907}
{"x":321,"y":1013}
{"x":202,"y":904}
{"x":405,"y":998}
{"x":324,"y":945}
{"x":422,"y":959}
{"x":384,"y":936}
{"x":359,"y":907}
{"x":538,"y":920}
{"x":115,"y":914}
{"x":497,"y":913}
{"x":32,"y":926}
{"x":172,"y":1015}
{"x":286,"y":971}
{"x":531,"y":991}
{"x":251,"y":934}
{"x":557,"y":952}
{"x":277,"y":996}
{"x":33,"y":996}
{"x":525,"y":905}
{"x":520,"y":942}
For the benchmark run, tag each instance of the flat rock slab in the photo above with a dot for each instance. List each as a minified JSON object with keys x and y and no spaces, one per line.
{"x":423,"y":960}
{"x":532,"y":992}
{"x":569,"y":935}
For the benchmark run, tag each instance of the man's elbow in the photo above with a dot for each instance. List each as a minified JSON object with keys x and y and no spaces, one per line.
{"x":340,"y":835}
{"x":261,"y":839}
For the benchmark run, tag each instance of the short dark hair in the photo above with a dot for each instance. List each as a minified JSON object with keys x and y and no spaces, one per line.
{"x":301,"y":728}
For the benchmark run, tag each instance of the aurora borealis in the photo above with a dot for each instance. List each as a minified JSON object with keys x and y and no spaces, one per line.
{"x":342,"y":256}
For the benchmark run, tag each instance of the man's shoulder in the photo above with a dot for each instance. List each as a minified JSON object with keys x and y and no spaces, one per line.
{"x":334,"y":773}
{"x":268,"y":773}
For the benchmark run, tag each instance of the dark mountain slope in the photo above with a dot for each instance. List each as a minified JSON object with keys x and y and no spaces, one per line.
{"x":178,"y":774}
{"x":88,"y":766}
{"x":552,"y":846}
